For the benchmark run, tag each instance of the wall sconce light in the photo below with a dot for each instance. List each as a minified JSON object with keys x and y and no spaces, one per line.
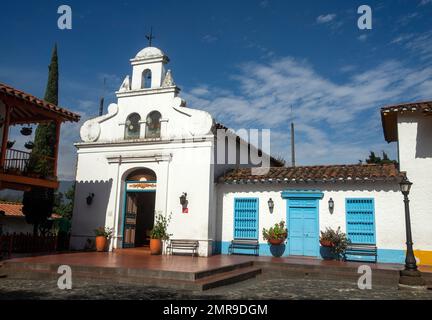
{"x":184,"y":202}
{"x":89,"y":199}
{"x":270,"y":203}
{"x":331,"y":205}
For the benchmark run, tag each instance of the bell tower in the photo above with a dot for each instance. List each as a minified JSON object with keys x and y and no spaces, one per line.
{"x":148,"y":69}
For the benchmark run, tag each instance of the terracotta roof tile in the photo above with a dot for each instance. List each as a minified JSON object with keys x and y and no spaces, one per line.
{"x":14,"y":209}
{"x":333,"y":173}
{"x":389,"y":116}
{"x":18,"y":94}
{"x":422,"y":106}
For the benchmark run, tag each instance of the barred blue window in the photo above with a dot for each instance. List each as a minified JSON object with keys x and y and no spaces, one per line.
{"x":246,"y":218}
{"x":360,"y":217}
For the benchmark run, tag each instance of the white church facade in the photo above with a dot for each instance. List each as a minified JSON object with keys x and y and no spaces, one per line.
{"x":150,"y":149}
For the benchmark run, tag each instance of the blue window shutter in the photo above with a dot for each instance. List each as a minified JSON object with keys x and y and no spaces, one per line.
{"x":246,"y":218}
{"x":360,"y":218}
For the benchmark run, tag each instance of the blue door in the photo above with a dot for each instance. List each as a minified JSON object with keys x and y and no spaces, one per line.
{"x":303,"y":235}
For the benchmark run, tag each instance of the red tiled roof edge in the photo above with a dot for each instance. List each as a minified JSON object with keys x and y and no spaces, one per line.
{"x":422,"y":106}
{"x":329,"y":173}
{"x":14,"y":209}
{"x":10,"y":91}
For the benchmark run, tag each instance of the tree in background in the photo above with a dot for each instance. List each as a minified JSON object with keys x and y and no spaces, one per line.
{"x":38,"y":202}
{"x":63,"y":203}
{"x":374,"y":159}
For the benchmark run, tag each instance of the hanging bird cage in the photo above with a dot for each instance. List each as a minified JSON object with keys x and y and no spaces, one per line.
{"x":26,"y":131}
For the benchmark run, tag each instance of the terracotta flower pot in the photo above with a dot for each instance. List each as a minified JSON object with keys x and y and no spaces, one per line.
{"x":326,"y":243}
{"x":276,"y":242}
{"x":101,"y":243}
{"x":155,"y":246}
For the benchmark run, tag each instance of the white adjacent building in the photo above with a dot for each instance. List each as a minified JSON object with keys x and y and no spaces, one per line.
{"x":150,"y":149}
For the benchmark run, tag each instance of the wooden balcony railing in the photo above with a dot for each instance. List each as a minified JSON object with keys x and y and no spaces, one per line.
{"x":30,"y":164}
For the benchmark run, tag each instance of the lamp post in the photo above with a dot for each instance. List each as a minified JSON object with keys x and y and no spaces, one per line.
{"x":410,"y":277}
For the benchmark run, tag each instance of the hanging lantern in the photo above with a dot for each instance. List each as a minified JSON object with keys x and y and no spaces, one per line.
{"x":29,"y":145}
{"x":26,"y":131}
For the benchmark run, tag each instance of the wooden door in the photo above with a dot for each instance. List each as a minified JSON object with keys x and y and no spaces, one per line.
{"x":303,"y":237}
{"x":130,"y":220}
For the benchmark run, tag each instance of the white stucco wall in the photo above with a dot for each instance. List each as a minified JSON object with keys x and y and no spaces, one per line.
{"x":389,"y":214}
{"x":181,"y":167}
{"x":415,"y":157}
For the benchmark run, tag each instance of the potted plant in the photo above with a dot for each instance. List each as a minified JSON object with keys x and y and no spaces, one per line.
{"x":159,"y":233}
{"x":103,"y":235}
{"x":277,"y":234}
{"x":334,"y":243}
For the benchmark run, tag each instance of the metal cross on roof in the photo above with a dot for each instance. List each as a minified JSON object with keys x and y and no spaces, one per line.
{"x":150,"y":37}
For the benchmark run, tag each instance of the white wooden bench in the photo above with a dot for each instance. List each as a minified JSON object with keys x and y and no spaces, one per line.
{"x":360,"y":249}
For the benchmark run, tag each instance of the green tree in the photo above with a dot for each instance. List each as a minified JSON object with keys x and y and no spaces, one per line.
{"x":63,"y":203}
{"x":38,"y":202}
{"x":374,"y":159}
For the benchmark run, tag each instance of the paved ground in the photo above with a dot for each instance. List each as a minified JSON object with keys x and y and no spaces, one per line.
{"x":255,"y":289}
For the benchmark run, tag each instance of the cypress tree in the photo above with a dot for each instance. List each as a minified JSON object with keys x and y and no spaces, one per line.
{"x":38,"y":202}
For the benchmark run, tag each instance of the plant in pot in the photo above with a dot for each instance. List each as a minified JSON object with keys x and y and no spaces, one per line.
{"x":277,"y":234}
{"x":159,"y":233}
{"x":103,"y":235}
{"x":334,"y":243}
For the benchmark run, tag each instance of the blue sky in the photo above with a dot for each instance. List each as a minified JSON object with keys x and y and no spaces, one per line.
{"x":244,"y":61}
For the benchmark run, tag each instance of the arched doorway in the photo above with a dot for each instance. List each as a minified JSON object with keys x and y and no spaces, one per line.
{"x":140,"y":196}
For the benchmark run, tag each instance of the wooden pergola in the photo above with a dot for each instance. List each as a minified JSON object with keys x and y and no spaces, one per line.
{"x":20,"y":108}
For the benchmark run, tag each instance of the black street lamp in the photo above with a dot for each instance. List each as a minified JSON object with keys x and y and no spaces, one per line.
{"x":410,"y":276}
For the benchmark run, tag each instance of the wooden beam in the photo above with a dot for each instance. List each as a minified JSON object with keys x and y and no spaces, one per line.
{"x":47,"y":113}
{"x":56,"y":147}
{"x":27,"y":181}
{"x":14,"y":186}
{"x":5,"y":135}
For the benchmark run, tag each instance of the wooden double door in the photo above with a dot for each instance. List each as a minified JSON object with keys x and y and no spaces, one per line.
{"x":139,"y":219}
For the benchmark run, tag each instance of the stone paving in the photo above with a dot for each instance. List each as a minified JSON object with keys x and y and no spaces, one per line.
{"x":255,"y":289}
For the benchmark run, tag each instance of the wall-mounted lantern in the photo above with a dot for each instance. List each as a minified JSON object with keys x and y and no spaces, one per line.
{"x":89,"y":198}
{"x":184,"y":202}
{"x":331,"y":205}
{"x":270,"y":203}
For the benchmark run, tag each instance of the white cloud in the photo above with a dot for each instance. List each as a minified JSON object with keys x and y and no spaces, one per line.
{"x":326,"y":18}
{"x":362,"y":37}
{"x":264,"y":4}
{"x":209,"y":38}
{"x":425,"y":2}
{"x":336,"y":122}
{"x":419,"y":44}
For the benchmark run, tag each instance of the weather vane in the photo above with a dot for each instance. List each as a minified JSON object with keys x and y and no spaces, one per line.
{"x":150,"y":37}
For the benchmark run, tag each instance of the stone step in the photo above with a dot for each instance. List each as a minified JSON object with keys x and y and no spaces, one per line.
{"x":2,"y":271}
{"x":380,"y":276}
{"x":226,"y":278}
{"x":12,"y":266}
{"x":204,"y":283}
